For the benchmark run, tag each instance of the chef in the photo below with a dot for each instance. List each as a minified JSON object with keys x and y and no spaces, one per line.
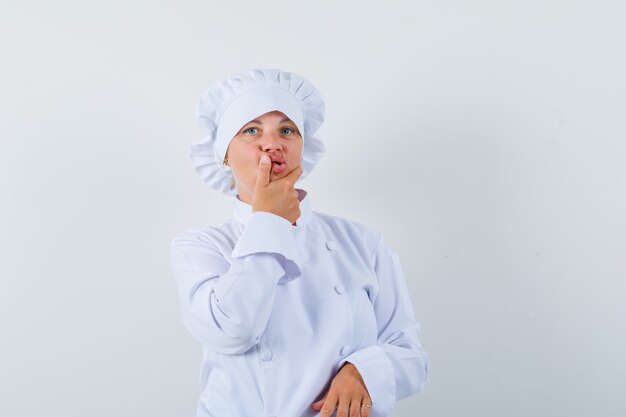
{"x":299,"y":313}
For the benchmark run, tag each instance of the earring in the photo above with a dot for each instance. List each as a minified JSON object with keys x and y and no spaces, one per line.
{"x":225,"y":160}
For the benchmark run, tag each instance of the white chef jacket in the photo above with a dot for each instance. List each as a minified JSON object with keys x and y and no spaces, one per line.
{"x":279,"y":308}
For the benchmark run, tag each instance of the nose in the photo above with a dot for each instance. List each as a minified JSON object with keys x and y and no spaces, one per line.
{"x":270,"y":142}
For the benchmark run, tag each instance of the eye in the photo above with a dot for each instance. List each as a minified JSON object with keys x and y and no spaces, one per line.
{"x":251,"y":130}
{"x":287,"y":130}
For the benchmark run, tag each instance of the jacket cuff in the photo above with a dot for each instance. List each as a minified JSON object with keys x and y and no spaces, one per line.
{"x":377,"y":372}
{"x":269,"y":233}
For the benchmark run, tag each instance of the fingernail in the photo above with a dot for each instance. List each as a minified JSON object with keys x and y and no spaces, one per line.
{"x":265,"y":159}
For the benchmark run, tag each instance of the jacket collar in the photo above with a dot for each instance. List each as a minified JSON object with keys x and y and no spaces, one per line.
{"x":243,"y":211}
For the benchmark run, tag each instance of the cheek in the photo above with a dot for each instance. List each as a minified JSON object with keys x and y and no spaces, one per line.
{"x":297,"y":152}
{"x":244,"y":169}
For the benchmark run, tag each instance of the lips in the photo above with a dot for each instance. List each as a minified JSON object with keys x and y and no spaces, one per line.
{"x":278,"y":164}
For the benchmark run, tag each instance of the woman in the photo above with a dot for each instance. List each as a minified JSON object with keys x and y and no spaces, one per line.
{"x":299,"y":313}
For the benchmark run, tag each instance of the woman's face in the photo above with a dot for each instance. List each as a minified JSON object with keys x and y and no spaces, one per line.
{"x":272,"y":133}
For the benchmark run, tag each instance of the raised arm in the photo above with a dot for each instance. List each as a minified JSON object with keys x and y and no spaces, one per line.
{"x":226,"y":303}
{"x":227,"y":300}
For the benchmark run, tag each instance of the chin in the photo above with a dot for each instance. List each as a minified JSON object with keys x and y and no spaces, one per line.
{"x":275,"y":176}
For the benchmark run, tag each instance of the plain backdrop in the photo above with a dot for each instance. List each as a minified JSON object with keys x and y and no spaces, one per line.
{"x":486,"y":140}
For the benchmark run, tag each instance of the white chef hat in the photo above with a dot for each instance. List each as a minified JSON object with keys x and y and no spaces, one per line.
{"x":234,"y":101}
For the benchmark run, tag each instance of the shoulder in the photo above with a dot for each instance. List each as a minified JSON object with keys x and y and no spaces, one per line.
{"x":208,"y":236}
{"x":203,"y":249}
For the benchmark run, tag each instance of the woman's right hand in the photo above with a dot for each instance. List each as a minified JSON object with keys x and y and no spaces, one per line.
{"x":280,"y":196}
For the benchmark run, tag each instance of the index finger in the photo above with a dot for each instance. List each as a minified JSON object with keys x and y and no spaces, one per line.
{"x":329,"y":405}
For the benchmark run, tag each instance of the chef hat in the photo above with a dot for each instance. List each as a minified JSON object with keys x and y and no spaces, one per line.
{"x":234,"y":101}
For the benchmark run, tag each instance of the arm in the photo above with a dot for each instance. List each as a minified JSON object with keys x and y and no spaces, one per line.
{"x":225,"y":305}
{"x":396,"y":366}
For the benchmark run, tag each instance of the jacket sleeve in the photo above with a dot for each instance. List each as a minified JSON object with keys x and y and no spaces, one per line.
{"x":226,"y":302}
{"x":397,"y":365}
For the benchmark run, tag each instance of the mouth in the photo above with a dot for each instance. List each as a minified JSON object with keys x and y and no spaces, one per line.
{"x":278,"y":164}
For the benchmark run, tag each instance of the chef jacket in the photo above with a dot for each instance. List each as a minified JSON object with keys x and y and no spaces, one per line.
{"x":279,"y":308}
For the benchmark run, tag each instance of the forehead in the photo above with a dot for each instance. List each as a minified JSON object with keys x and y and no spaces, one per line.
{"x":272,"y":116}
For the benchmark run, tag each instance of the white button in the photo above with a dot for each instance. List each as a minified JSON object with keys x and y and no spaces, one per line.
{"x":345,"y":350}
{"x":339,"y":289}
{"x":330,"y":245}
{"x":266,"y":356}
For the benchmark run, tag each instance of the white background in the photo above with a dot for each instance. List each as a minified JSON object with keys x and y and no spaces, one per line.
{"x":486,"y":140}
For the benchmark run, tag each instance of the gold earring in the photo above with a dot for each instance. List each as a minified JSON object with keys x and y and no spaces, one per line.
{"x":225,"y":160}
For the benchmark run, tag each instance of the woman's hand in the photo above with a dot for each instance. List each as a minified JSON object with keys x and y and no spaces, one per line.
{"x":347,"y":392}
{"x":279,"y":196}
